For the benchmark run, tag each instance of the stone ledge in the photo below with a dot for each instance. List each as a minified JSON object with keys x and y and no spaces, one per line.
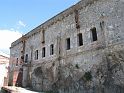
{"x":14,"y":89}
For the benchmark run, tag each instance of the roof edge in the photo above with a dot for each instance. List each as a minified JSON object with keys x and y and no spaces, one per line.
{"x":54,"y":19}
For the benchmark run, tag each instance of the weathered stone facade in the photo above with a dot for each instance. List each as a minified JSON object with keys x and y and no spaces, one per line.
{"x":94,"y":66}
{"x":4,"y":65}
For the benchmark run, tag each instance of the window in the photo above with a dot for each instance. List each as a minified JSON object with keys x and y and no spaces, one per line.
{"x":51,"y":49}
{"x":17,"y":61}
{"x":67,"y":43}
{"x":36,"y":55}
{"x":94,"y":34}
{"x":80,"y":39}
{"x":43,"y":36}
{"x":26,"y":58}
{"x":22,"y":59}
{"x":43,"y":52}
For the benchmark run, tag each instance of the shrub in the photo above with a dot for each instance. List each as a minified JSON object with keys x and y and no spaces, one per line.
{"x":87,"y":76}
{"x":3,"y":91}
{"x":77,"y":66}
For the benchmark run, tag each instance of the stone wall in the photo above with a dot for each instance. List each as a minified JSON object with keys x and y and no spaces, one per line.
{"x":94,"y":67}
{"x":4,"y":63}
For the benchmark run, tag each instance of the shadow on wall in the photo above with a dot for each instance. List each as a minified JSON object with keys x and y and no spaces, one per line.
{"x":19,"y":78}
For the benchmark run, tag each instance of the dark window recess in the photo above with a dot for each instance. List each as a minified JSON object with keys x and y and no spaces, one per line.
{"x":17,"y":61}
{"x":94,"y":34}
{"x":51,"y":49}
{"x":68,"y":43}
{"x":22,"y":51}
{"x":43,"y":52}
{"x":80,"y":39}
{"x":36,"y":54}
{"x":26,"y":58}
{"x":22,"y":59}
{"x":43,"y":36}
{"x":102,"y":25}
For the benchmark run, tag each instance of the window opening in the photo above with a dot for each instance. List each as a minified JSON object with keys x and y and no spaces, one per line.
{"x":68,"y":43}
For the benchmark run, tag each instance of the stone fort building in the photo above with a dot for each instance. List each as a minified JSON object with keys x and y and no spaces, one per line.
{"x":80,"y":50}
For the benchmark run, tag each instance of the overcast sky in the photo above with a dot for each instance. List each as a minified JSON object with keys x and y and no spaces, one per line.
{"x":18,"y":17}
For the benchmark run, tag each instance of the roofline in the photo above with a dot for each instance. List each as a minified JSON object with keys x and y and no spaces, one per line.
{"x":4,"y":56}
{"x":54,"y":19}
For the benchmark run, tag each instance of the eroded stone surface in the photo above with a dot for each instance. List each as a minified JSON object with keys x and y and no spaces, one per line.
{"x":94,"y":67}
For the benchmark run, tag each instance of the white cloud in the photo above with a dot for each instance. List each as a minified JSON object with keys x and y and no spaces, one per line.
{"x":21,"y":23}
{"x":6,"y":38}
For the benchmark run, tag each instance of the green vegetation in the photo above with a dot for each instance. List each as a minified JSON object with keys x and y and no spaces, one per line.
{"x":50,"y":92}
{"x":77,"y":66}
{"x":3,"y":91}
{"x":87,"y":76}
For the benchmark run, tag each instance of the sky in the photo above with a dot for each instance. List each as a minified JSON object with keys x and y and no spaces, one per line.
{"x":17,"y":17}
